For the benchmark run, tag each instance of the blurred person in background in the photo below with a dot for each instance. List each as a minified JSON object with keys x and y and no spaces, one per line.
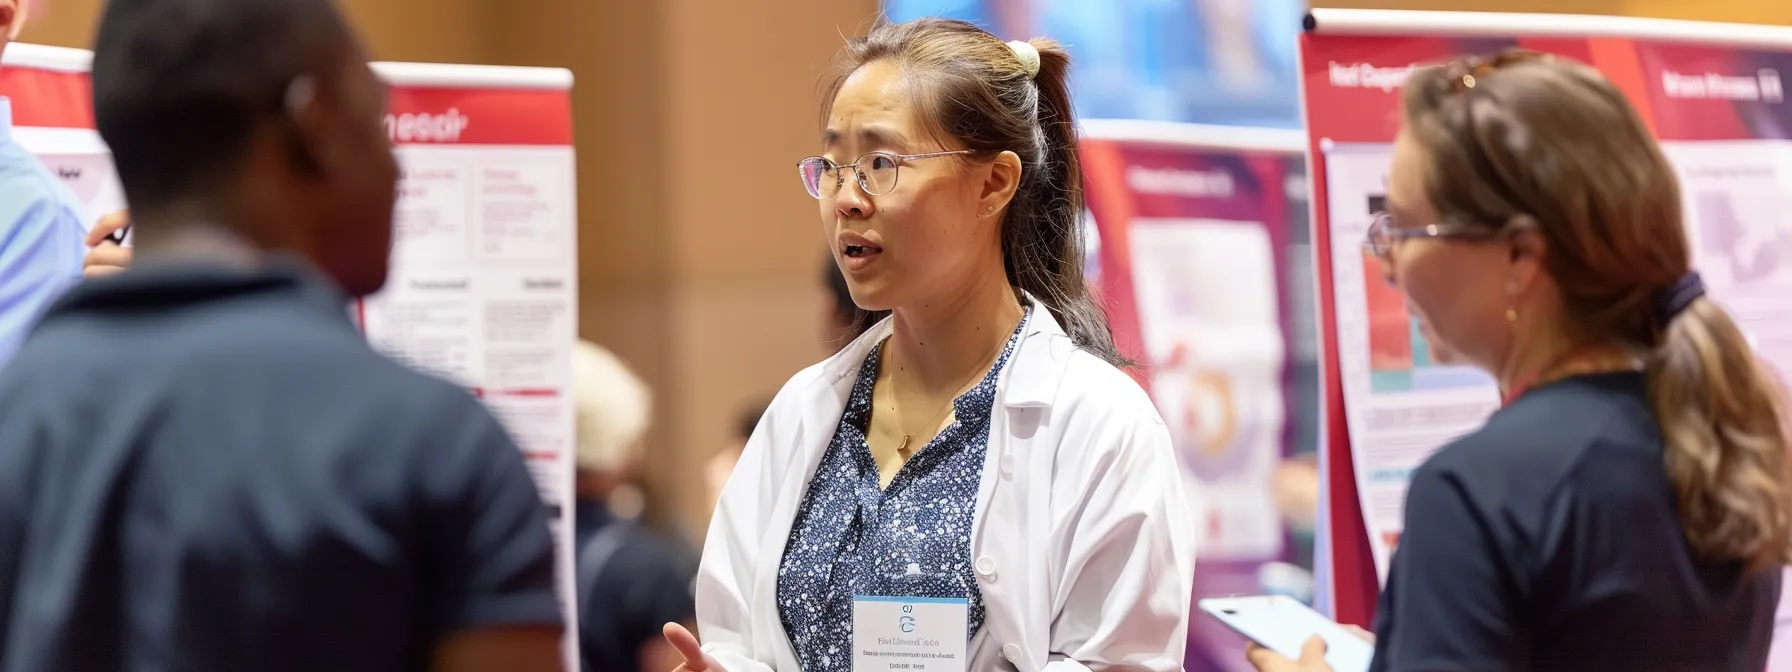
{"x":203,"y":464}
{"x":40,"y":222}
{"x":630,"y":581}
{"x":980,"y":447}
{"x":1627,"y":508}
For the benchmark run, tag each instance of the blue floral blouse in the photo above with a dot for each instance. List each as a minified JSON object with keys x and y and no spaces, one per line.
{"x":852,"y":537}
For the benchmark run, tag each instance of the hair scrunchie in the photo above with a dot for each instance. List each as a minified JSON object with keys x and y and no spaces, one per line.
{"x":1676,"y":298}
{"x":1028,"y":55}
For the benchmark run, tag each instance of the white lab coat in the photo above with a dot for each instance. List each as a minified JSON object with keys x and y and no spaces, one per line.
{"x":1083,"y":543}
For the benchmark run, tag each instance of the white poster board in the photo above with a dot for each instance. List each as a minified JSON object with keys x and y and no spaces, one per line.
{"x":484,"y":278}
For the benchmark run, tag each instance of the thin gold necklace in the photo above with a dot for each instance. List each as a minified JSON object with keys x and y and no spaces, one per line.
{"x":902,"y":448}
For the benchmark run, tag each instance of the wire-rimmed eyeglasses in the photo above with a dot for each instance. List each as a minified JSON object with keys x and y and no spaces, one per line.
{"x":1383,"y":233}
{"x":876,"y":172}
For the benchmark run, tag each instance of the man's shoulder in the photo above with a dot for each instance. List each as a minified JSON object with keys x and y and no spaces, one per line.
{"x":327,"y":367}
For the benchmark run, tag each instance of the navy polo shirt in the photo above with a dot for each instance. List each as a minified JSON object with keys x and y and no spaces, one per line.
{"x":210,"y":469}
{"x":1550,"y":539}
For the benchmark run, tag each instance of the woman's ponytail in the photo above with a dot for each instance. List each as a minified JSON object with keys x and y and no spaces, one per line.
{"x":1042,"y":245}
{"x":1722,"y":419}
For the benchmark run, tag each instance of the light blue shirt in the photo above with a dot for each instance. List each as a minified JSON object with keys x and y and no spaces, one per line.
{"x":41,"y":238}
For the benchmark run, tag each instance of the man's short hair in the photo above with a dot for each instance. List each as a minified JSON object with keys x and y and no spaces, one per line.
{"x":180,"y":87}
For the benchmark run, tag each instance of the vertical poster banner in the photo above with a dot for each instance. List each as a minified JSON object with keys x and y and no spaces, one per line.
{"x":1194,"y":228}
{"x":52,"y":114}
{"x":484,"y":272}
{"x":1714,"y":95}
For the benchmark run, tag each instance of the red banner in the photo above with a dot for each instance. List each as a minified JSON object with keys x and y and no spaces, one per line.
{"x":466,"y":116}
{"x":47,"y":98}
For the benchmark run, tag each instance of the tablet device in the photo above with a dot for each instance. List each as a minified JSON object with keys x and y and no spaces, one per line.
{"x":1282,"y":625}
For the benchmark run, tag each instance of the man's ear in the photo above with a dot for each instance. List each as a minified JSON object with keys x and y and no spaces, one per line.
{"x":302,"y":121}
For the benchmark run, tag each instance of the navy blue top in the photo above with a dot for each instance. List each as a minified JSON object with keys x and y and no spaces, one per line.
{"x":210,"y":469}
{"x":1550,"y":540}
{"x":641,"y":583}
{"x":852,"y":537}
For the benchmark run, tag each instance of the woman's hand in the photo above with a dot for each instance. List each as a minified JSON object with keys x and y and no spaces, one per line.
{"x":1312,"y":655}
{"x":695,"y":660}
{"x":106,"y":257}
{"x":1312,"y":658}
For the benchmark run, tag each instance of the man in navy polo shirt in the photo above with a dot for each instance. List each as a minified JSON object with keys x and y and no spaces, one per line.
{"x":203,"y":466}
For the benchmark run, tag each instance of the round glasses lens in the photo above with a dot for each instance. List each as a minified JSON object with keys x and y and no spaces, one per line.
{"x":879,"y":171}
{"x":819,"y":178}
{"x":1377,"y":237}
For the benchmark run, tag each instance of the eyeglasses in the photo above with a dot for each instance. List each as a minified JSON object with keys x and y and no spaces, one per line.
{"x":876,"y":172}
{"x":1383,"y":234}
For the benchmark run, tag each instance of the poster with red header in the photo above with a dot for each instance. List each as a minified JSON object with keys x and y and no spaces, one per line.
{"x":484,"y":273}
{"x":1195,"y":227}
{"x":484,"y":267}
{"x":1713,"y":93}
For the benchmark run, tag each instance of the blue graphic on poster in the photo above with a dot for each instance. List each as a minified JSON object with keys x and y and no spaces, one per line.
{"x":1229,"y":62}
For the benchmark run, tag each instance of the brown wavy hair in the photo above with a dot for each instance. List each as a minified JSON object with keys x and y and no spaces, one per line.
{"x":1524,"y":135}
{"x":972,"y":87}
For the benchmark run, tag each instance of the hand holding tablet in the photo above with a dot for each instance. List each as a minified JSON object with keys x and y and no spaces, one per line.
{"x":1283,"y":629}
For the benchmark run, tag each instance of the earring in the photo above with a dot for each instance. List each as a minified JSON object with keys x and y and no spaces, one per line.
{"x":989,"y":211}
{"x":1512,"y":315}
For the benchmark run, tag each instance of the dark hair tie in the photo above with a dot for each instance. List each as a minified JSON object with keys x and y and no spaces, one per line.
{"x":1676,"y":298}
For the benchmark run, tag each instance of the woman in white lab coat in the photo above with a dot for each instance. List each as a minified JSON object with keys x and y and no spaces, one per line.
{"x":976,"y":461}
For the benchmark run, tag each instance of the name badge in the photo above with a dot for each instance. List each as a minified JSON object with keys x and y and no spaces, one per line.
{"x":909,"y":634}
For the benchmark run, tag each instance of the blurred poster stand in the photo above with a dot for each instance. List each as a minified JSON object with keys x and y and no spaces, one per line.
{"x":1229,"y":62}
{"x":1715,"y":96}
{"x":1206,"y":270}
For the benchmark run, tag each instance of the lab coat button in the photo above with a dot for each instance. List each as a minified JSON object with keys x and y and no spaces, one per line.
{"x":1007,"y":465}
{"x":986,"y":567}
{"x":1011,"y":652}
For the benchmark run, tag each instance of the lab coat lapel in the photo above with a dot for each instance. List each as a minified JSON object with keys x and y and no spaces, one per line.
{"x":1014,"y":497}
{"x":823,"y":404}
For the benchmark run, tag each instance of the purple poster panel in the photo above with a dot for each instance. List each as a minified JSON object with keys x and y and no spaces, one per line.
{"x":1194,"y":255}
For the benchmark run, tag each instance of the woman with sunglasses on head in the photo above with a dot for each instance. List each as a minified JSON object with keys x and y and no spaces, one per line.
{"x":972,"y":484}
{"x":1627,"y":508}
